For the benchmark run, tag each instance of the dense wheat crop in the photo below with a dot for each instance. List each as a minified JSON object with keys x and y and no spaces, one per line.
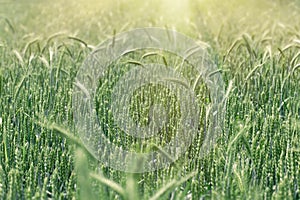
{"x":254,"y":44}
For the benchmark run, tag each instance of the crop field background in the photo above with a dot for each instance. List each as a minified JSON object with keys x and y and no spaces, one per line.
{"x":254,"y":44}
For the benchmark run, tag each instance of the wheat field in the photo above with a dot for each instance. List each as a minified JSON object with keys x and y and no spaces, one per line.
{"x":255,"y":46}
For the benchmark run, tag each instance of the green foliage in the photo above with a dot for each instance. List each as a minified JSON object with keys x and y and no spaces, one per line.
{"x":256,"y":50}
